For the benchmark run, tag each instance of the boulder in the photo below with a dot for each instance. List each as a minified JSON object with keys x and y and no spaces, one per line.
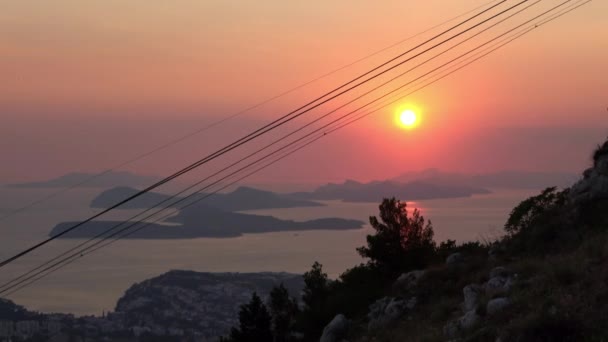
{"x":471,"y":294}
{"x":386,"y":311}
{"x":409,"y":280}
{"x":499,"y":285}
{"x":335,"y":330}
{"x":469,"y":320}
{"x":451,"y":329}
{"x":499,"y":271}
{"x":454,"y":259}
{"x":496,"y":305}
{"x":411,"y":303}
{"x":465,"y":323}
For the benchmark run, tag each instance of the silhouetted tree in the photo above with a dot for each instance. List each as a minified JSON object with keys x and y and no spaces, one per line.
{"x":316,"y":291}
{"x":401,"y":243}
{"x":316,"y":286}
{"x":254,"y":323}
{"x":283,"y":310}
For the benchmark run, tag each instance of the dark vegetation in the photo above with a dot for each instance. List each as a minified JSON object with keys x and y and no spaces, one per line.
{"x":555,"y":245}
{"x":600,"y":151}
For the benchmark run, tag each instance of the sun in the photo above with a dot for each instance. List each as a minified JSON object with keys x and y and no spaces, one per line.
{"x":408,"y":118}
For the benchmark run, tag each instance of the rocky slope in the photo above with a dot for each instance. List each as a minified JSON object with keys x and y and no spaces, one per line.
{"x":544,"y":281}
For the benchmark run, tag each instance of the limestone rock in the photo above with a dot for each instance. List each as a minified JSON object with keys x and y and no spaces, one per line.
{"x":499,"y":271}
{"x":499,"y":285}
{"x":451,"y":329}
{"x":453,"y":259}
{"x":409,"y":280}
{"x":469,"y":320}
{"x":471,"y":294}
{"x":386,"y":311}
{"x":335,"y":330}
{"x":497,"y":305}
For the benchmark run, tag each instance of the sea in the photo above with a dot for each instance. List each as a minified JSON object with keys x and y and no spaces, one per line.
{"x":94,"y":283}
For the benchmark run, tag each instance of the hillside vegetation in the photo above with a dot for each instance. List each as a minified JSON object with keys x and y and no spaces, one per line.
{"x":544,"y":280}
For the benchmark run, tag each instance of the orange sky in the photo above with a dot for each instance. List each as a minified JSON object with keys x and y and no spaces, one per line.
{"x":88,"y":67}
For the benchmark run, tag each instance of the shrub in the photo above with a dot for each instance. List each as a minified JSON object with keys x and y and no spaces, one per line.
{"x":532,"y":210}
{"x":469,"y":248}
{"x":356,"y":289}
{"x":600,"y":151}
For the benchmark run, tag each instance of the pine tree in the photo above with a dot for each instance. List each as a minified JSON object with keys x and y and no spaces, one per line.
{"x":254,"y":323}
{"x":283,"y":310}
{"x":316,"y":286}
{"x":315,"y":297}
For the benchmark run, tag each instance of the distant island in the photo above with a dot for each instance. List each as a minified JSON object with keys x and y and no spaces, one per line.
{"x":112,"y":178}
{"x":243,"y":198}
{"x":500,"y":179}
{"x":353,"y":191}
{"x":202,"y":221}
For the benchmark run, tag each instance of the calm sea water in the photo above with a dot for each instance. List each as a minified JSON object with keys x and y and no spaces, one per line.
{"x":94,"y":283}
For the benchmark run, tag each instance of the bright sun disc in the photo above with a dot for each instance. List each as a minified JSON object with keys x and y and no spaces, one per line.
{"x":407,"y":118}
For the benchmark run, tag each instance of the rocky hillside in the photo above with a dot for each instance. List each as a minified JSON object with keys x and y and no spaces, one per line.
{"x":545,"y":280}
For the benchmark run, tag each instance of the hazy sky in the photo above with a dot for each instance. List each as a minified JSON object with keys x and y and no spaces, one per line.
{"x":85,"y":85}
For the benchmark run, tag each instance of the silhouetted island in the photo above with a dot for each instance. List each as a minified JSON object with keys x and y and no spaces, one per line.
{"x":353,"y":191}
{"x":243,"y":198}
{"x":200,"y":221}
{"x":90,"y":180}
{"x":509,"y":179}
